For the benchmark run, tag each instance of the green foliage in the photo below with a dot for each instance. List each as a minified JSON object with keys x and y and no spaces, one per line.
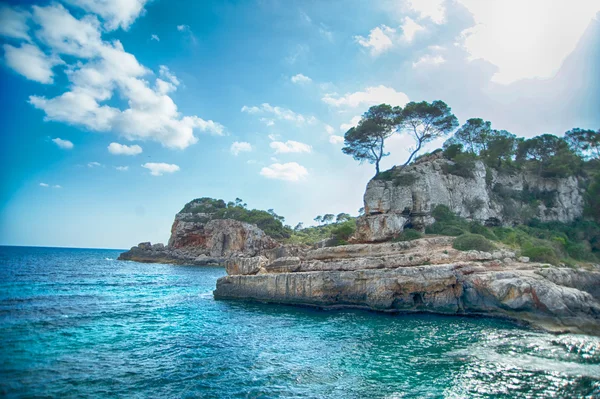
{"x":426,"y":122}
{"x":408,"y":235}
{"x":342,"y":232}
{"x":473,"y":135}
{"x":463,"y":165}
{"x":470,"y":242}
{"x":584,"y":142}
{"x":477,"y":228}
{"x":312,"y":235}
{"x":593,"y":198}
{"x":541,"y":254}
{"x":365,"y":142}
{"x":549,"y":156}
{"x":268,"y":221}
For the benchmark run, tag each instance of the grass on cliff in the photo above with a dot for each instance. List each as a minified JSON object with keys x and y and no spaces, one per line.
{"x":339,"y":233}
{"x":552,"y":242}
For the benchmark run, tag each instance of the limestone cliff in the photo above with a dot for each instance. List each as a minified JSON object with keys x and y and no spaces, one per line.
{"x":198,"y":239}
{"x":406,"y":198}
{"x":425,"y":275}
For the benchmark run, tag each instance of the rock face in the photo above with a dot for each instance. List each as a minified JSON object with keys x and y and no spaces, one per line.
{"x":425,"y":275}
{"x":199,"y":240}
{"x":407,"y":198}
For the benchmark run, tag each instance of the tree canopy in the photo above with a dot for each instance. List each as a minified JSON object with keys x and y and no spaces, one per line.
{"x":366,"y":141}
{"x":585,"y":142}
{"x":425,"y":122}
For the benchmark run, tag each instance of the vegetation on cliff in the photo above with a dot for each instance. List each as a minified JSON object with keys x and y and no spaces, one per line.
{"x":554,"y":242}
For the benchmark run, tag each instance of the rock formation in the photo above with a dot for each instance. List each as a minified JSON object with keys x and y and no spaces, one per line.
{"x":425,"y":275}
{"x":198,"y":239}
{"x":407,"y":197}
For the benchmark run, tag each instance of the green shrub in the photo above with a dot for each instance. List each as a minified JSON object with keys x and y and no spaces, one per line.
{"x":441,"y":213}
{"x":409,"y":235}
{"x":469,"y":242}
{"x":344,"y":230}
{"x":541,"y":254}
{"x":477,"y":228}
{"x":404,"y":179}
{"x":451,"y":231}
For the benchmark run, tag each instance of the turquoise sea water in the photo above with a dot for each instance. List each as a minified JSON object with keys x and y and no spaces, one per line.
{"x":76,"y":323}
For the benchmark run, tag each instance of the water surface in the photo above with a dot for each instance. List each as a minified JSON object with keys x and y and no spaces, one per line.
{"x":76,"y":323}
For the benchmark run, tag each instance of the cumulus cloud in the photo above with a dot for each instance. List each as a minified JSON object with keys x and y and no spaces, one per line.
{"x":290,"y":171}
{"x":159,"y":168}
{"x":115,"y":13}
{"x":31,"y":62}
{"x":240,"y":146}
{"x":44,"y":185}
{"x":371,"y":96}
{"x":432,"y":9}
{"x":429,"y":60}
{"x":300,"y":79}
{"x":94,"y":164}
{"x":122,"y":168}
{"x":378,"y":41}
{"x":155,"y":37}
{"x":532,"y":47}
{"x":64,"y":144}
{"x":278,"y":113}
{"x":183,"y":28}
{"x":410,"y":29}
{"x":13,"y":23}
{"x":290,"y":146}
{"x":333,"y":139}
{"x":57,"y":186}
{"x":122,"y":149}
{"x":99,"y":70}
{"x":329,"y":129}
{"x":344,"y":127}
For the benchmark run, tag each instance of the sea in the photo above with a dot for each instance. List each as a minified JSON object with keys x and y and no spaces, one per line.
{"x":77,"y":323}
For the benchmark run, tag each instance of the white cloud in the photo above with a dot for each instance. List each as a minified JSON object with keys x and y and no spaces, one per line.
{"x":379,"y":40}
{"x":122,"y":149}
{"x":298,"y":52}
{"x":410,"y":29}
{"x":64,"y":144}
{"x":371,"y":96}
{"x":158,"y":169}
{"x":290,"y":171}
{"x":532,"y":46}
{"x":44,"y":185}
{"x":273,"y":137}
{"x":183,"y":28}
{"x":57,"y":186}
{"x":344,"y":127}
{"x":300,"y":79}
{"x":240,"y":146}
{"x":122,"y":168}
{"x":433,"y":9}
{"x":290,"y":146}
{"x":267,"y":121}
{"x":31,"y":62}
{"x":329,"y":129}
{"x":279,"y":113}
{"x":429,"y":60}
{"x":115,"y":13}
{"x":13,"y":23}
{"x":336,"y":139}
{"x":155,"y":37}
{"x":94,"y":164}
{"x":100,"y":70}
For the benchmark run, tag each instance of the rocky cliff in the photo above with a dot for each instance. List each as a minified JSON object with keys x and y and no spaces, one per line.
{"x":425,"y":275}
{"x":401,"y":198}
{"x":199,"y":239}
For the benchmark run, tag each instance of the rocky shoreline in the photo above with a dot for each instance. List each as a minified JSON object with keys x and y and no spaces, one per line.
{"x":425,"y":275}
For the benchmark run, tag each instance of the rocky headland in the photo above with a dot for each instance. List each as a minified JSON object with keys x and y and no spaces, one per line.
{"x":422,"y":275}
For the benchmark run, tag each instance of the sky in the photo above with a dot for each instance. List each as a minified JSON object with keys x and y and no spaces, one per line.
{"x":115,"y":113}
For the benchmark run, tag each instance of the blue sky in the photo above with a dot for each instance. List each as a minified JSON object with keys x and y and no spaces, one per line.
{"x":114,"y":114}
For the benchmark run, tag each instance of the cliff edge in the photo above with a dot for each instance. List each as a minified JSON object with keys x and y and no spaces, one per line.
{"x":401,"y":198}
